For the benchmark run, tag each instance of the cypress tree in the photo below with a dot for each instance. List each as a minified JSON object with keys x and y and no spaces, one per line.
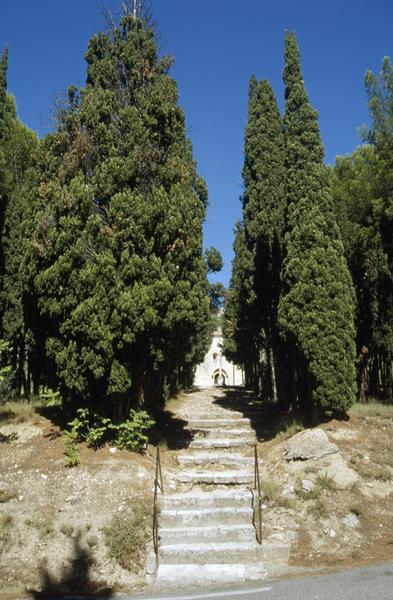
{"x":258,"y":245}
{"x":316,"y":309}
{"x":121,"y":278}
{"x":263,"y":213}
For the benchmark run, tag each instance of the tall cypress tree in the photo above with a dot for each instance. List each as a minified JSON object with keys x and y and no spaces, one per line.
{"x":316,"y":310}
{"x":120,"y":276}
{"x":263,"y":213}
{"x":258,"y":245}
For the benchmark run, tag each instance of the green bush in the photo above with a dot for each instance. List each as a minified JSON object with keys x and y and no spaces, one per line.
{"x":96,"y":430}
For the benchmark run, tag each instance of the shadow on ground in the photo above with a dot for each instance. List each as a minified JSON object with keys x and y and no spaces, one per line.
{"x":266,"y":418}
{"x":75,"y":578}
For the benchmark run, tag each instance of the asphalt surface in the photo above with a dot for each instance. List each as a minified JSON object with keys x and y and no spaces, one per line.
{"x":366,"y":583}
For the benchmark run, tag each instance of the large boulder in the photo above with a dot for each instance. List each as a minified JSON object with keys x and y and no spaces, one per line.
{"x":312,"y":443}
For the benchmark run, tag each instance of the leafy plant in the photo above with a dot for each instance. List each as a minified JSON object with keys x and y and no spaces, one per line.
{"x":96,"y":430}
{"x":71,"y":449}
{"x":131,"y":434}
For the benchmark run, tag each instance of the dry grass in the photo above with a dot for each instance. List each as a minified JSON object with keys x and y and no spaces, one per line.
{"x":272,"y":494}
{"x":372,"y":409}
{"x":19,"y":411}
{"x":127,"y":534}
{"x":290,"y":430}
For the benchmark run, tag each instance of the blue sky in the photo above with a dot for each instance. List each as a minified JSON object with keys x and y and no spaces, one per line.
{"x":217,"y":45}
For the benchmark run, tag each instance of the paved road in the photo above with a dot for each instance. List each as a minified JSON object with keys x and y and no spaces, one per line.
{"x":366,"y":583}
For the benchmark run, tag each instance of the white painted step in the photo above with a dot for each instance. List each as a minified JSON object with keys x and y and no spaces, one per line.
{"x":222,"y":443}
{"x":206,"y":516}
{"x":205,"y":553}
{"x":214,"y":458}
{"x":232,"y":498}
{"x":217,"y":477}
{"x":183,"y":575}
{"x":223,"y":533}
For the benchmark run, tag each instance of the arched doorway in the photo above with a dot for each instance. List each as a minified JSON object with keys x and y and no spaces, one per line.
{"x":220,"y":377}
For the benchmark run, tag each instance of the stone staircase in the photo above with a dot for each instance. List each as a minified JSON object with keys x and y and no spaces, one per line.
{"x":206,"y":526}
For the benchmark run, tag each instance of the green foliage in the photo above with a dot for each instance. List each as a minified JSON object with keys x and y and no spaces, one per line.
{"x":213,"y":260}
{"x":251,"y":307}
{"x":96,"y":430}
{"x":117,"y":263}
{"x":316,"y":310}
{"x":71,"y":449}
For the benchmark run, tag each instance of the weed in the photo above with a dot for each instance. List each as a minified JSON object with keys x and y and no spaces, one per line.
{"x":271,"y":493}
{"x":369,"y":470}
{"x":92,"y":541}
{"x":289,"y":431}
{"x":6,"y":521}
{"x":126,"y":536}
{"x":318,"y":509}
{"x":6,"y":496}
{"x":323,"y":482}
{"x":67,"y":529}
{"x":356,"y":508}
{"x":71,"y":449}
{"x":383,"y":473}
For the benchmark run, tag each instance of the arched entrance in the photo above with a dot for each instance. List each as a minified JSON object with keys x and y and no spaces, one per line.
{"x":220,"y":377}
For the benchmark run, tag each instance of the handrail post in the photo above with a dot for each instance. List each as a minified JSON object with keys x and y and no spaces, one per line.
{"x":257,"y":493}
{"x":158,"y":485}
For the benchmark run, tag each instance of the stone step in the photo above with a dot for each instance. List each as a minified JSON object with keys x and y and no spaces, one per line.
{"x":206,"y":516}
{"x":223,"y":533}
{"x":222,"y":443}
{"x":215,"y":458}
{"x":207,"y":422}
{"x":217,"y":499}
{"x":217,"y":477}
{"x":225,"y":433}
{"x":188,"y":575}
{"x":208,"y":553}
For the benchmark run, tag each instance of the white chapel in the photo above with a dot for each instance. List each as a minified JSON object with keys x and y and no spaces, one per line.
{"x":215,"y":368}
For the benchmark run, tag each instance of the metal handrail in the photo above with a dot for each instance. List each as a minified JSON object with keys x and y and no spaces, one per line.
{"x":257,"y":499}
{"x":158,"y":485}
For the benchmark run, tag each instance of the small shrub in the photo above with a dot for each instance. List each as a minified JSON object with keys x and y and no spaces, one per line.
{"x":131,"y":434}
{"x":96,"y":430}
{"x":126,"y":537}
{"x":71,"y":449}
{"x":51,"y":398}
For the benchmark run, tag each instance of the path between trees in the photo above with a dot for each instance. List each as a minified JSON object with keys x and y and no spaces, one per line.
{"x":206,"y":527}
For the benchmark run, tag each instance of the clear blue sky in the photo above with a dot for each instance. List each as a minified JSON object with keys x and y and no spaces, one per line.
{"x":217,"y":44}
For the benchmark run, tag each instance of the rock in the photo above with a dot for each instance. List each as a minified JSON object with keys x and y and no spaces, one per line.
{"x":289,"y":490}
{"x":332,"y":533}
{"x":343,"y":477}
{"x":351,"y":520}
{"x":113,"y":450}
{"x":307,"y":485}
{"x":312,"y":443}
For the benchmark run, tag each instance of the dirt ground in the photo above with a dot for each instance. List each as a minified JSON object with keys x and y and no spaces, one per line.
{"x":52,"y":518}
